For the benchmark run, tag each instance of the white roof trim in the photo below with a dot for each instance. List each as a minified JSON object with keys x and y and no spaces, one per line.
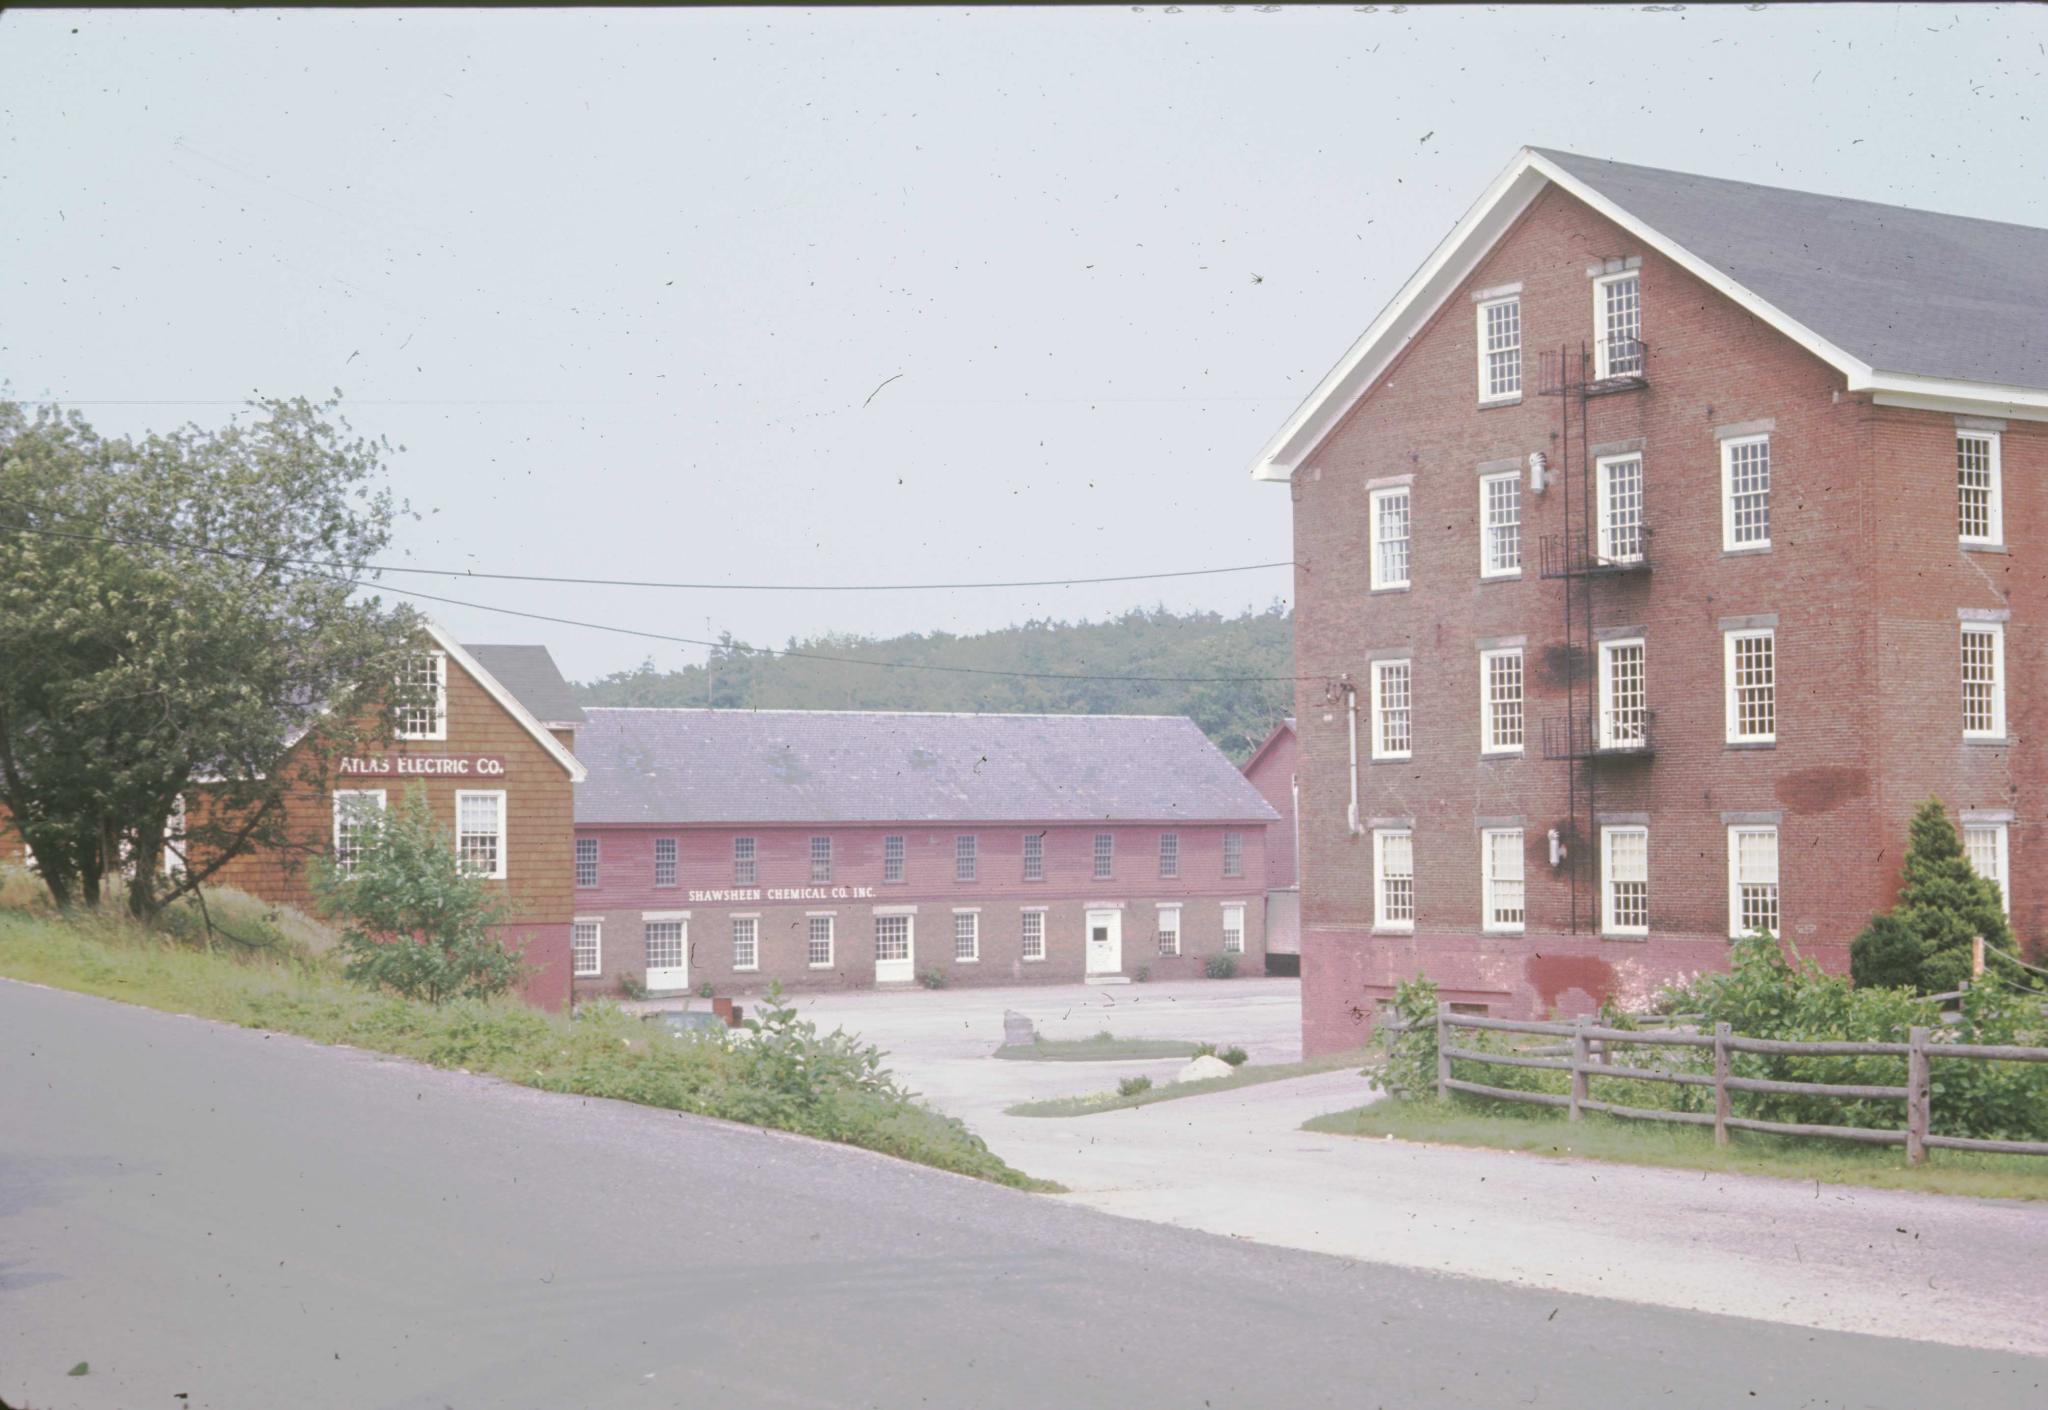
{"x":509,"y":703}
{"x":1453,"y":261}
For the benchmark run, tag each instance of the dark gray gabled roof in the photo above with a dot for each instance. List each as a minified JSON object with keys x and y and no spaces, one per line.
{"x":1906,"y":291}
{"x":804,"y":766}
{"x":529,"y":672}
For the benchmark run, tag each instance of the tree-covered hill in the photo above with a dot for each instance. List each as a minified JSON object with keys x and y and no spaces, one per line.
{"x":1236,"y":714}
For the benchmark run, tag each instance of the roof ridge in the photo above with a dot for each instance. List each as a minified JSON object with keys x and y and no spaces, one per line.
{"x":895,"y":714}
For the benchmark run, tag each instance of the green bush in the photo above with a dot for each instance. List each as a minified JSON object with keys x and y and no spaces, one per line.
{"x":1142,"y":974}
{"x":1406,"y":1033}
{"x":1923,"y":942}
{"x":1236,"y":1057}
{"x":1203,"y":1050}
{"x":1220,"y":966}
{"x":633,"y":987}
{"x":1131,"y":1086}
{"x":704,"y":990}
{"x":933,"y":978}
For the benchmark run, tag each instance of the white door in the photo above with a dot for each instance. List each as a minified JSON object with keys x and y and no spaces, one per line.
{"x":668,"y":955}
{"x":895,"y":950}
{"x":1105,"y":942}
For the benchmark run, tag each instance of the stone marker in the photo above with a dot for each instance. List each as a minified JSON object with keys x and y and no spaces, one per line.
{"x":1017,"y":1030}
{"x":1201,"y":1069}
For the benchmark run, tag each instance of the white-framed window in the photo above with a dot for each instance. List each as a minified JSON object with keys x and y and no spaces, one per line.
{"x":1500,"y":524}
{"x":892,"y":858}
{"x":1169,"y":930}
{"x":967,"y":937}
{"x":174,"y":838}
{"x":1983,"y":680}
{"x":1618,"y":326}
{"x":1985,"y":845}
{"x":1500,"y":850}
{"x":1233,"y":929}
{"x":1625,"y":880}
{"x":1105,"y":855}
{"x":1746,"y":492}
{"x":1393,"y":879}
{"x":664,"y":861}
{"x":1034,"y":856}
{"x":424,"y":714}
{"x":1500,"y":348}
{"x":1980,"y":511}
{"x":818,"y":941}
{"x":892,"y":939}
{"x":746,"y":942}
{"x":1618,"y":480}
{"x":1031,"y":927}
{"x":1752,"y":880}
{"x":586,"y":948}
{"x":746,"y":861}
{"x":1392,"y":710}
{"x":480,"y":832}
{"x":1500,"y":701}
{"x":353,"y":810}
{"x":665,"y":942}
{"x":1233,"y":854}
{"x":966,"y":857}
{"x":1624,"y":695}
{"x":1389,"y":526}
{"x":821,"y":860}
{"x":1169,"y":856}
{"x":586,"y":862}
{"x":1749,"y":662}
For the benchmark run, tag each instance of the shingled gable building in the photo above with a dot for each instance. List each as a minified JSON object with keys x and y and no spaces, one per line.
{"x":828,"y":849}
{"x":1662,"y":546}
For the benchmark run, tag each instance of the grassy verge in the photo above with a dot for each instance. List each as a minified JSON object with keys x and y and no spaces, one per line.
{"x":1103,"y":1047}
{"x":601,"y":1053}
{"x":1645,"y":1143}
{"x":1246,"y":1076}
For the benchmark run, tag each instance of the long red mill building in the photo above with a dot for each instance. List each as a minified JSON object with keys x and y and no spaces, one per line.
{"x":1661,"y":547}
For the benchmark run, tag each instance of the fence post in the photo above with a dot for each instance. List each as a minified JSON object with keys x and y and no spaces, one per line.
{"x":1919,"y":1093}
{"x":1443,"y":1059}
{"x":1580,"y":1060}
{"x":1721,"y":1084}
{"x":1976,"y":957}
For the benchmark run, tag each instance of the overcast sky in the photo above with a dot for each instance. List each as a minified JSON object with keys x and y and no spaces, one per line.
{"x":623,"y":283}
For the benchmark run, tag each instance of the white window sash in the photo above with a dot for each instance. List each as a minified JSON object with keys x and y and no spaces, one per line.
{"x":1502,"y":878}
{"x":439,"y":729}
{"x":966,"y":937}
{"x":1609,"y":882}
{"x":1233,"y":930}
{"x":1737,"y":880}
{"x":1606,"y":330}
{"x":1619,"y":730}
{"x":1732,"y":686}
{"x":1031,"y":934}
{"x":1993,"y":490}
{"x":1729,"y":451}
{"x":1491,"y":714}
{"x":497,"y":833}
{"x":1615,"y":542}
{"x":1382,"y":672}
{"x":1382,"y":571}
{"x":1994,"y":839}
{"x":1510,"y":354}
{"x":577,"y":969}
{"x":350,"y":812}
{"x":1994,"y":632}
{"x":1385,"y":840}
{"x":1494,"y":536}
{"x":746,"y":944}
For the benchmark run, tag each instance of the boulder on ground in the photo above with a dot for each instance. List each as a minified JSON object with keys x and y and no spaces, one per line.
{"x":1017,"y":1030}
{"x":1201,"y":1069}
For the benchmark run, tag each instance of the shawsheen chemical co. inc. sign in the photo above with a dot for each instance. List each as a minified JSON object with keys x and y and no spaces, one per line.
{"x":422,"y":766}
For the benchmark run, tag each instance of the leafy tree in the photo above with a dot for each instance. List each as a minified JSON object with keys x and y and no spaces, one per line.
{"x":413,"y":919}
{"x":161,"y":639}
{"x":1923,"y":942}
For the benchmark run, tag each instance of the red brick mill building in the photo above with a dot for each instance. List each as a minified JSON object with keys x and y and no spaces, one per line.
{"x":1662,"y":546}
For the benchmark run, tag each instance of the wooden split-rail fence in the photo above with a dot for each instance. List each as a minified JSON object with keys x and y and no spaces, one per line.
{"x":1583,"y":1066}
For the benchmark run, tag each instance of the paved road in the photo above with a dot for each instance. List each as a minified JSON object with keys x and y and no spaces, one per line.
{"x":251,"y":1220}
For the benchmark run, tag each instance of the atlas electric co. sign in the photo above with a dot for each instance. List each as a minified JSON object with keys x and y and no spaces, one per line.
{"x":422,"y":766}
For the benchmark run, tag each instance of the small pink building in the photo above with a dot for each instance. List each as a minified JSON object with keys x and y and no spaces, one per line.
{"x":1271,"y":770}
{"x":732,"y":848}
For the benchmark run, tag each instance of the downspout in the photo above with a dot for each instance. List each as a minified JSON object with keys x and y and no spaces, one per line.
{"x":1351,"y":710}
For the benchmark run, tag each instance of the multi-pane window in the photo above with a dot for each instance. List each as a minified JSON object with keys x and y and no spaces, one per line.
{"x":1233,"y":930}
{"x":1169,"y":930}
{"x":1618,"y":325}
{"x":1752,"y":880}
{"x":423,"y":707}
{"x":1389,"y":515}
{"x":1393,"y":879}
{"x":1169,"y":855}
{"x":664,"y":861}
{"x":480,"y":833}
{"x":892,"y":859}
{"x":1620,"y":508}
{"x":1233,"y":854}
{"x":1983,"y":680}
{"x":746,"y":868}
{"x":586,"y":948}
{"x":1500,"y":524}
{"x":1985,"y":845}
{"x":966,"y":857}
{"x":1750,"y":667}
{"x":664,"y":942}
{"x":1034,"y":856}
{"x":1031,"y":925}
{"x":966,"y":936}
{"x":892,"y":939}
{"x":818,"y":942}
{"x":354,"y":811}
{"x":821,"y":860}
{"x":1980,"y":517}
{"x":1746,"y":492}
{"x":586,"y":862}
{"x":1500,"y":349}
{"x":746,"y":942}
{"x":1105,"y":855}
{"x":1500,"y":701}
{"x":1501,"y":878}
{"x":1625,"y":880}
{"x":1624,"y":696}
{"x":1392,"y":710}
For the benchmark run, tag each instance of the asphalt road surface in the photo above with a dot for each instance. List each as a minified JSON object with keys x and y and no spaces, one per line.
{"x":212,"y":1217}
